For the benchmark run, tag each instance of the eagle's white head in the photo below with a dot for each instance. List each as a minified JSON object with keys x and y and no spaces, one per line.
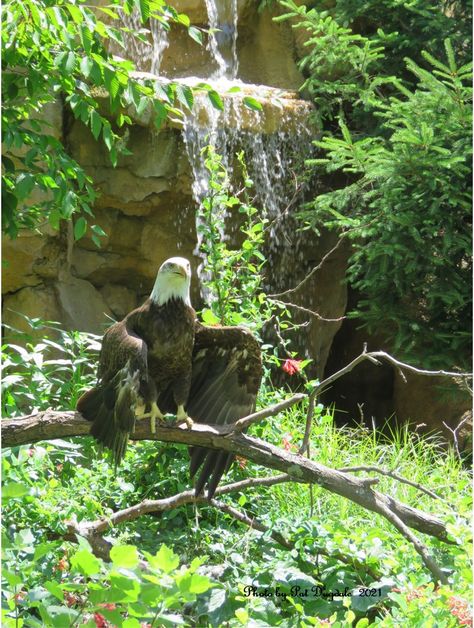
{"x":172,"y":281}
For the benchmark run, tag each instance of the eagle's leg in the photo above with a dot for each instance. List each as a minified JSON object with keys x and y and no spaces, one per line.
{"x":182,"y":415}
{"x":155,"y":414}
{"x":140,"y":407}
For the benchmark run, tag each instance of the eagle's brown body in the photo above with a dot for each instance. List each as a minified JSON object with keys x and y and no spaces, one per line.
{"x":160,"y":355}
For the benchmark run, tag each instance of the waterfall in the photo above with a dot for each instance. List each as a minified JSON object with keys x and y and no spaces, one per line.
{"x":147,"y":51}
{"x":223,"y":31}
{"x":270,"y":152}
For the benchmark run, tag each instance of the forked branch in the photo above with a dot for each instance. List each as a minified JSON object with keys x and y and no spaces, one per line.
{"x":50,"y":424}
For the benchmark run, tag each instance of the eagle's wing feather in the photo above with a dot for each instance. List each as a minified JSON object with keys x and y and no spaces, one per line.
{"x":225,"y":381}
{"x":122,"y":375}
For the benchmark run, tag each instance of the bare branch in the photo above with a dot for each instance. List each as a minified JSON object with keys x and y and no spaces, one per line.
{"x":309,"y":423}
{"x":242,"y":424}
{"x":310,"y":274}
{"x":420,"y":547}
{"x":308,"y":311}
{"x":279,"y":538}
{"x":93,"y":530}
{"x":390,"y":474}
{"x":50,"y":425}
{"x":455,"y":435}
{"x":414,"y":369}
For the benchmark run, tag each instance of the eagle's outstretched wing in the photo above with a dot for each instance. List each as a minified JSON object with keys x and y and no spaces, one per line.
{"x":122,"y":375}
{"x":226,"y":377}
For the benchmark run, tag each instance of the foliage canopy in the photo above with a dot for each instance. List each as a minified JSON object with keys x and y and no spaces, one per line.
{"x":53,"y":52}
{"x":401,"y":152}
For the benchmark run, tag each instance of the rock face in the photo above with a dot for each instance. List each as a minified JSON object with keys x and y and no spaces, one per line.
{"x":147,"y":209}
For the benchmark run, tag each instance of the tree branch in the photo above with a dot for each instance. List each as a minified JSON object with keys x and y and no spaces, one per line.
{"x":49,"y":425}
{"x":310,"y":274}
{"x":93,"y":530}
{"x":390,"y":474}
{"x":242,"y":424}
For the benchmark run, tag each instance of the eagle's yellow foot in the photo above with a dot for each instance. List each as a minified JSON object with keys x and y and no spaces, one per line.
{"x":140,"y":410}
{"x":155,"y":414}
{"x":182,"y":415}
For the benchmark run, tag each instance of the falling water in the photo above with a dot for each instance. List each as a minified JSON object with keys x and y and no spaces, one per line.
{"x":146,"y":52}
{"x":270,"y":157}
{"x":223,"y":31}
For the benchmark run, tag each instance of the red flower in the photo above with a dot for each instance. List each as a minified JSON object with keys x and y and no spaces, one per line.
{"x":100,"y":621}
{"x":415,"y":594}
{"x":460,"y":609}
{"x":110,"y":606}
{"x":63,"y":564}
{"x":291,"y":366}
{"x":242,"y":462}
{"x":70,"y":598}
{"x":286,"y":442}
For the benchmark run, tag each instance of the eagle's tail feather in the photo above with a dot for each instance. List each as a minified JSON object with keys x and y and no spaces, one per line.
{"x":89,"y":403}
{"x":215,"y":465}
{"x":197,"y":458}
{"x":110,"y":407}
{"x":223,"y":462}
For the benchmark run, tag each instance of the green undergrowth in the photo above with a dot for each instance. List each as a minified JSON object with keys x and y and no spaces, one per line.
{"x":320,"y":559}
{"x":200,"y":560}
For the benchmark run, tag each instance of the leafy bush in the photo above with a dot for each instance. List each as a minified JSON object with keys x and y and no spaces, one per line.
{"x":400,"y":185}
{"x":60,"y":51}
{"x":128,"y":592}
{"x":52,"y":372}
{"x":408,"y":213}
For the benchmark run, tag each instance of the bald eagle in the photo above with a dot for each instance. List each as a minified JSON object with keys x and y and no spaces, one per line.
{"x":161,"y":359}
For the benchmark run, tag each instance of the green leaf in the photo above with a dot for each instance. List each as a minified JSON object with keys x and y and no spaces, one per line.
{"x":124,"y":556}
{"x":86,"y":38}
{"x":111,"y":82}
{"x":24,"y":185}
{"x":131,"y":622}
{"x":70,"y":63}
{"x":209,"y":318}
{"x":165,"y":559}
{"x":98,"y":230}
{"x":199,"y":584}
{"x":14,"y":489}
{"x":54,"y":589}
{"x":80,"y":228}
{"x":96,"y":123}
{"x":215,"y":99}
{"x":185,"y":95}
{"x":76,"y":13}
{"x":44,"y":548}
{"x":86,"y":65}
{"x":195,"y":34}
{"x":242,"y":615}
{"x":144,"y":6}
{"x":86,"y":563}
{"x":252,"y":103}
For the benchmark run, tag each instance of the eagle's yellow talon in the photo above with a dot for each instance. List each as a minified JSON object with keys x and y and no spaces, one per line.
{"x":153,"y":415}
{"x":182,"y":415}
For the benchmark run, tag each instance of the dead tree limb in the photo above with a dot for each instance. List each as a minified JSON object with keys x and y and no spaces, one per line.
{"x":93,"y":530}
{"x":390,"y":474}
{"x":374,"y":357}
{"x":50,"y":425}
